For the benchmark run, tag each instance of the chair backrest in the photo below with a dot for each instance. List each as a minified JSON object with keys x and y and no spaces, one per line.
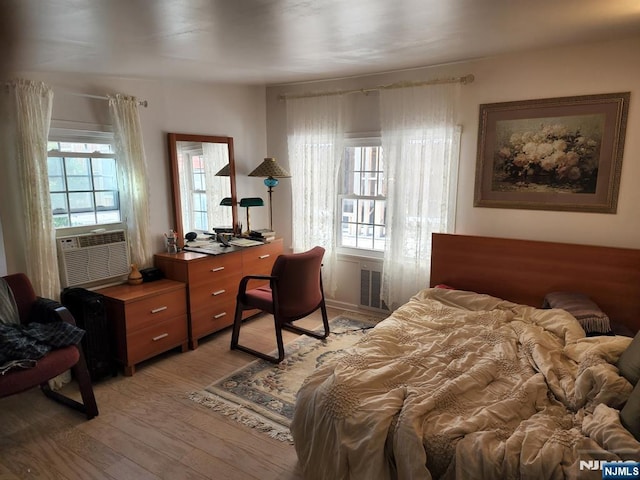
{"x":23,"y":293}
{"x":299,"y":284}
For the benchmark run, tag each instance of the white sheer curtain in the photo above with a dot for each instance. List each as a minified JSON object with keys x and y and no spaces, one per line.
{"x":215,"y":157}
{"x":27,"y":225}
{"x":315,"y":145}
{"x":420,"y":141}
{"x":132,"y":177}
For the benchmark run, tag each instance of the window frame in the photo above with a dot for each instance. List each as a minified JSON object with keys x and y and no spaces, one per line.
{"x":73,"y":135}
{"x":363,"y":140}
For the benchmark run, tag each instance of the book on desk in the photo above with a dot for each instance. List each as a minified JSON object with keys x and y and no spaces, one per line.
{"x":265,"y":234}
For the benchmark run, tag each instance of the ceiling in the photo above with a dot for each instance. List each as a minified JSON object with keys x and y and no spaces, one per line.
{"x":283,"y":41}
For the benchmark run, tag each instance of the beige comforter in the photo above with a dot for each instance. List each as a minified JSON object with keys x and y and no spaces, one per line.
{"x":460,"y":385}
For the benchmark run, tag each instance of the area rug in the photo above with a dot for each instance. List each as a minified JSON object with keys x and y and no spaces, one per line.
{"x":262,"y":395}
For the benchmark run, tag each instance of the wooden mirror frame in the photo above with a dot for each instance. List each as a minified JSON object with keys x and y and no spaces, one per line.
{"x":173,"y":139}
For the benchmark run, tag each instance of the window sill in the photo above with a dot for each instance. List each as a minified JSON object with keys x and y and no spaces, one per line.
{"x":359,"y":254}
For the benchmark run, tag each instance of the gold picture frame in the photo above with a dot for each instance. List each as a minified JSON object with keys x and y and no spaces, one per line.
{"x":552,"y":154}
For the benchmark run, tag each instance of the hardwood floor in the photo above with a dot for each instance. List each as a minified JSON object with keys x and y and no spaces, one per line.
{"x":147,"y":428}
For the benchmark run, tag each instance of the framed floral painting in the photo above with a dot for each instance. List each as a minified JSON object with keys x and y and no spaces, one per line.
{"x":552,"y":154}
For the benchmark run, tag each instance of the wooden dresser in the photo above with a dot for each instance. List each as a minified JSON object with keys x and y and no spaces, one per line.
{"x":147,"y":319}
{"x":212,"y":282}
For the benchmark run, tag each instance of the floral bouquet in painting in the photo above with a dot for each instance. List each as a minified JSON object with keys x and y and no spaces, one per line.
{"x":554,"y":156}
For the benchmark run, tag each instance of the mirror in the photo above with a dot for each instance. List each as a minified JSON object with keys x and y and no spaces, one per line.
{"x":202,"y":174}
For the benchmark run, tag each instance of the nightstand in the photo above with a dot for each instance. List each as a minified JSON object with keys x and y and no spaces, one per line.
{"x":147,"y":319}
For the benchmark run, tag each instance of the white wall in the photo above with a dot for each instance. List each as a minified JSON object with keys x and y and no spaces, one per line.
{"x":577,"y":70}
{"x":259,"y":130}
{"x":198,"y":108}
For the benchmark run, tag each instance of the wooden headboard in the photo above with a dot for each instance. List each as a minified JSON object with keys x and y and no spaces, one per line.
{"x":524,"y":271}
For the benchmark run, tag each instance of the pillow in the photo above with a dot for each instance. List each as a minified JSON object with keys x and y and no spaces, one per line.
{"x":582,"y":308}
{"x":630,"y":413}
{"x":8,"y":308}
{"x":446,"y":287}
{"x":629,"y":361}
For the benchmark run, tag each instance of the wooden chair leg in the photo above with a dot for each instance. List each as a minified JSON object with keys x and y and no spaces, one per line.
{"x":235,"y":339}
{"x":237,"y":322}
{"x":279,"y":342}
{"x":81,"y":374}
{"x":304,"y":331}
{"x":325,"y":319}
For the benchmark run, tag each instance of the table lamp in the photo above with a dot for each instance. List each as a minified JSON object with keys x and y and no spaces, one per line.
{"x":250,"y":202}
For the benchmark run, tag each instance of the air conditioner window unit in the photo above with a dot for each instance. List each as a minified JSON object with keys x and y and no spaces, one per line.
{"x":92,"y":257}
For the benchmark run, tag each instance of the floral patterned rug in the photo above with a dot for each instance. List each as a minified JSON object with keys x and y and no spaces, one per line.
{"x":262,"y":395}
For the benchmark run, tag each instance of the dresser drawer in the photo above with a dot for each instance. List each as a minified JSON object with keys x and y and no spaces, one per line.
{"x":215,"y":268}
{"x":212,"y":294}
{"x":259,"y":260}
{"x":154,"y":309}
{"x":212,"y":319}
{"x":157,"y":338}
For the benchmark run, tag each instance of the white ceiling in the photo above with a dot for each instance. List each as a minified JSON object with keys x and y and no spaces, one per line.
{"x":283,"y":41}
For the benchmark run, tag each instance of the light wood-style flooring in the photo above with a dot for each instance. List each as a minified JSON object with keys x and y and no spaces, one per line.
{"x":147,"y":428}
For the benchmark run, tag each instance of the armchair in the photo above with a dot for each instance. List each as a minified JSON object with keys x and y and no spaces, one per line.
{"x":35,"y":309}
{"x":294,"y":292}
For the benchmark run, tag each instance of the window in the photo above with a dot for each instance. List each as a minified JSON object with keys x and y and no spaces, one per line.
{"x":362,"y":200}
{"x":191,"y":166}
{"x":82,"y":181}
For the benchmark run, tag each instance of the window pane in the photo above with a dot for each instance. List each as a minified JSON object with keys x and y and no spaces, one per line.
{"x":365,"y":237}
{"x":380,"y":217}
{"x":200,"y":202}
{"x":200,"y":219}
{"x":78,"y":174}
{"x":61,"y":221}
{"x":81,"y":219}
{"x":380,"y":187}
{"x":108,"y":216}
{"x":59,"y":203}
{"x":107,"y":200}
{"x":54,"y":166}
{"x":56,"y":174}
{"x":347,"y":206}
{"x":379,"y":237}
{"x":105,"y":148}
{"x":104,"y":173}
{"x":198,"y":182}
{"x":81,"y":202}
{"x":357,"y":183}
{"x":366,"y":211}
{"x":349,"y":234}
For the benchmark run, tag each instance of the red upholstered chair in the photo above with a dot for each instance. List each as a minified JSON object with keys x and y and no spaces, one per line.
{"x":294,"y":292}
{"x":55,"y":362}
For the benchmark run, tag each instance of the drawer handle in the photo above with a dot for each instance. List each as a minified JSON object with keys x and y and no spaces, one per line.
{"x":262,"y":257}
{"x":159,"y":309}
{"x":160,"y":337}
{"x":220,"y":315}
{"x":217,"y":269}
{"x":219,"y":292}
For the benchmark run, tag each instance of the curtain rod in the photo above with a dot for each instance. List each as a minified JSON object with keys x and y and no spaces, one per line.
{"x":142,"y":103}
{"x":438,"y":81}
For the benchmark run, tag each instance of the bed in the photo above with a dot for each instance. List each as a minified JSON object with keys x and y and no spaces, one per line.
{"x":473,"y":379}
